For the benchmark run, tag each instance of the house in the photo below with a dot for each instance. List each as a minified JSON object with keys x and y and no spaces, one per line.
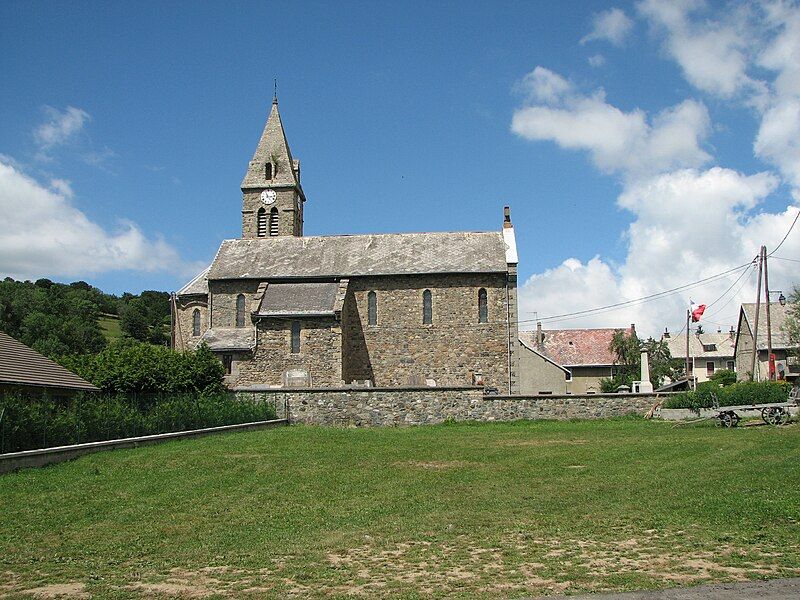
{"x":386,"y":310}
{"x":783,"y":349}
{"x":566,"y":361}
{"x":24,"y":370}
{"x":708,"y":352}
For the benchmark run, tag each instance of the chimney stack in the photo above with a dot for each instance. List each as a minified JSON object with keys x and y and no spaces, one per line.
{"x":539,"y":335}
{"x":507,"y":217}
{"x":666,"y":333}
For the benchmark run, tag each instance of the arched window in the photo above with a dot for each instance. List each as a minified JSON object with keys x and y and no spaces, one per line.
{"x":196,"y":322}
{"x":295,"y":337}
{"x":427,"y":308}
{"x":372,"y":308}
{"x":483,"y":307}
{"x":262,"y":222}
{"x":268,"y":170}
{"x":240,"y":310}
{"x":273,"y":222}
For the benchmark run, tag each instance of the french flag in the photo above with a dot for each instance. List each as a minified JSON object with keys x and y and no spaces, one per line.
{"x":697,"y":311}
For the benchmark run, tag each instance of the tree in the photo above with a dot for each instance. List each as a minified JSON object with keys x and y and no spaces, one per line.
{"x":627,"y":350}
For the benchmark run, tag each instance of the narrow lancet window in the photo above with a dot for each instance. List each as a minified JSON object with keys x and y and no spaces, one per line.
{"x":273,"y":222}
{"x":483,"y":307}
{"x":196,"y":322}
{"x":372,"y":308}
{"x":268,"y":170}
{"x":262,"y":222}
{"x":427,"y":308}
{"x":240,"y":302}
{"x":295,"y":337}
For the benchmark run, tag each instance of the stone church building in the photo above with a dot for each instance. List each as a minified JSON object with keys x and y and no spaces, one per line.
{"x":384,"y":310}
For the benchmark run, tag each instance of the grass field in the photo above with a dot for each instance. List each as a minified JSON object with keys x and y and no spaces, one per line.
{"x":442,"y":511}
{"x":110,"y":327}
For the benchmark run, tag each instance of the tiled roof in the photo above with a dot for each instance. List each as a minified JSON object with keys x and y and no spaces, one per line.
{"x":778,"y":315}
{"x":574,"y":347}
{"x":229,"y":338}
{"x":298,"y":299}
{"x":704,"y":345}
{"x":286,"y":257}
{"x":20,"y":365}
{"x":198,"y":285}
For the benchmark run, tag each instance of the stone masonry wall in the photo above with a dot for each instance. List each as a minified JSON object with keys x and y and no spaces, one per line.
{"x":400,"y":349}
{"x":320,"y":353}
{"x":417,"y":406}
{"x":223,"y":301}
{"x":185,"y":307}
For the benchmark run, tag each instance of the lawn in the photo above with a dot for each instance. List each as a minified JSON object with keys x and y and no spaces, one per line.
{"x":462,"y":510}
{"x":110,"y":327}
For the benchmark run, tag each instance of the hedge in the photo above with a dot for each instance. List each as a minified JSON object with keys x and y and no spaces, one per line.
{"x":745,"y":392}
{"x":28,"y":423}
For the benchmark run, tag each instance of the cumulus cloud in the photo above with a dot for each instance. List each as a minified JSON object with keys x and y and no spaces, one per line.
{"x":60,"y":126}
{"x":612,"y":25}
{"x":596,"y":60}
{"x":618,"y":141}
{"x":43,"y":234}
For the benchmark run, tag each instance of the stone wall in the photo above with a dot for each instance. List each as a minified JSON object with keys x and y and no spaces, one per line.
{"x":320,"y":353}
{"x":400,"y":350}
{"x":417,"y":406}
{"x":184,"y":315}
{"x":223,"y":301}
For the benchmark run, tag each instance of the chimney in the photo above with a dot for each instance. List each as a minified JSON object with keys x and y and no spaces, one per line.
{"x":732,"y":333}
{"x":633,"y":329}
{"x":719,"y":329}
{"x":507,"y":217}
{"x":539,"y":335}
{"x":666,"y":333}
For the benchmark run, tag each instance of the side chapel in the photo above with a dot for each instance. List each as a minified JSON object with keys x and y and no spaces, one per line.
{"x":383,"y":310}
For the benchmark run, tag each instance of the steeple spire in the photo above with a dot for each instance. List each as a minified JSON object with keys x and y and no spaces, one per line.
{"x":273,"y":150}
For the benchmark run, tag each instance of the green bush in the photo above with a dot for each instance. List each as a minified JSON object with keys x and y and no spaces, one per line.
{"x":742,"y":393}
{"x":28,"y":423}
{"x":127,"y":366}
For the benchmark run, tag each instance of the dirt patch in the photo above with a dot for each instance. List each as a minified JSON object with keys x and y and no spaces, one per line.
{"x":74,"y":589}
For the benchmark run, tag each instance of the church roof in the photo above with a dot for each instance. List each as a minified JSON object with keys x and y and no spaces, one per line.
{"x":288,"y":257}
{"x":198,"y":285}
{"x":229,"y":338}
{"x":21,"y":365}
{"x":298,"y":299}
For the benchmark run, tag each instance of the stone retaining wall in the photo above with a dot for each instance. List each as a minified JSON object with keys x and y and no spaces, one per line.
{"x":417,"y":406}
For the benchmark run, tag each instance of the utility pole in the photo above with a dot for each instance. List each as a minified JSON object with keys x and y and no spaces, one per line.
{"x":770,"y":356}
{"x":753,"y":374}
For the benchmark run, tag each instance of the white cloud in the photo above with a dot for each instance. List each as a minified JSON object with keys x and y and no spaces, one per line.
{"x":596,"y":60}
{"x":43,"y":234}
{"x":713,"y":54}
{"x":543,"y":85}
{"x":612,"y":25}
{"x":618,"y":141}
{"x":688,"y":225}
{"x":60,"y":126}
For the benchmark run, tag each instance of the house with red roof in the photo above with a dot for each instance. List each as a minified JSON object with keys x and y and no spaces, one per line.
{"x":566,"y":361}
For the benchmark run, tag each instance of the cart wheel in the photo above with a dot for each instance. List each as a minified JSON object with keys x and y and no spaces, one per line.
{"x":728,"y":419}
{"x":774,"y":415}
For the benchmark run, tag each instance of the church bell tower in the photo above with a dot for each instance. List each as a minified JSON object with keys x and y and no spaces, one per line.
{"x":272,"y":199}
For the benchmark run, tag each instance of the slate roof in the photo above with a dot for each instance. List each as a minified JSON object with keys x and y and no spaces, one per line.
{"x":723,"y":344}
{"x":287,"y":257}
{"x":229,"y":338}
{"x":778,"y":315}
{"x":21,"y":365}
{"x":574,"y":347}
{"x":298,"y":299}
{"x":198,"y":285}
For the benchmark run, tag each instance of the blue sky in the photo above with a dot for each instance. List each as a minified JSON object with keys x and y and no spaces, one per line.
{"x":131,"y":125}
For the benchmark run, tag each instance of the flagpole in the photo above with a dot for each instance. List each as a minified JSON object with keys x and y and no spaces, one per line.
{"x":688,"y":319}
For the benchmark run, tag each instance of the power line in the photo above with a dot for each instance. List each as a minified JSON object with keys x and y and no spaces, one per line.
{"x":787,"y":234}
{"x":596,"y":310}
{"x":784,"y":258}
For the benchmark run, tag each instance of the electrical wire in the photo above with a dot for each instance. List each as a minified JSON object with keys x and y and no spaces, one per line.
{"x":794,"y":260}
{"x":787,"y":234}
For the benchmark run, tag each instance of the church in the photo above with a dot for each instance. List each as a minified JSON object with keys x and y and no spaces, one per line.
{"x":386,"y":310}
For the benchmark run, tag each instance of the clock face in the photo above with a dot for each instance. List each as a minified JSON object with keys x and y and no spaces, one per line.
{"x":268,"y":196}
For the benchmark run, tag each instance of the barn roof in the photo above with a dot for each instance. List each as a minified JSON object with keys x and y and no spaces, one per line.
{"x":287,"y":257}
{"x":23,"y":366}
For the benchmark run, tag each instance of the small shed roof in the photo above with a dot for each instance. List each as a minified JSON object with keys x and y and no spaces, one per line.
{"x":298,"y":299}
{"x":290,"y":257}
{"x":23,"y":366}
{"x":229,"y":338}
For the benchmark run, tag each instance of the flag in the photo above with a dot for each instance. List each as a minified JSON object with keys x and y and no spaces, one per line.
{"x":697,"y":311}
